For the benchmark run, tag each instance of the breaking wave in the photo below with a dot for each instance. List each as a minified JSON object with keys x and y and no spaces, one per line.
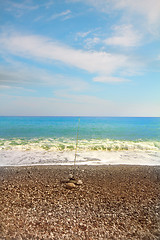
{"x":64,"y":144}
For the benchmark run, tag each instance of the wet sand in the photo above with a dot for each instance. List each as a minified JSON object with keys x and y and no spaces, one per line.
{"x":114,"y":202}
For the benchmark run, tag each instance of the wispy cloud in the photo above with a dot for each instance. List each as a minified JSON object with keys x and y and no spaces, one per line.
{"x":22,"y":76}
{"x":4,"y":87}
{"x":81,"y":105}
{"x":23,"y":6}
{"x":48,"y":4}
{"x":65,"y":14}
{"x":83,"y":34}
{"x":110,"y":79}
{"x":18,"y":9}
{"x":75,"y":105}
{"x":42,"y":48}
{"x":90,"y":38}
{"x":91,"y":42}
{"x":82,"y":99}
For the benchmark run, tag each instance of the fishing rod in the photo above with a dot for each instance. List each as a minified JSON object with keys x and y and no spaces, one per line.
{"x":75,"y":157}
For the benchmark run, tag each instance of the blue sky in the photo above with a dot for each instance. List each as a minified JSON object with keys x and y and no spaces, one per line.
{"x":80,"y":58}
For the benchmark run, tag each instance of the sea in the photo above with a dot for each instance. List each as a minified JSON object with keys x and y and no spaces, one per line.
{"x":80,"y":140}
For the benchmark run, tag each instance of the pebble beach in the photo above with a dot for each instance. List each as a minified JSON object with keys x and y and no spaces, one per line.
{"x":112,"y":202}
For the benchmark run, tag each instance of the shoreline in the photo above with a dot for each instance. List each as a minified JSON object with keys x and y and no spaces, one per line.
{"x":114,"y":202}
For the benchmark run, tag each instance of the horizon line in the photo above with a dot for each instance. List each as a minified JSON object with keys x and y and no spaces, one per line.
{"x":79,"y":116}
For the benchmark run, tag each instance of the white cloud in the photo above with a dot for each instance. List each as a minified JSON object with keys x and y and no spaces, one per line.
{"x":150,"y":9}
{"x":42,"y":48}
{"x":146,"y":12}
{"x":109,"y":79}
{"x":124,"y":36}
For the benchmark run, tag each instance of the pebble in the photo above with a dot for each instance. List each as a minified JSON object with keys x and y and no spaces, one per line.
{"x":79,"y":182}
{"x":100,"y":207}
{"x":70,"y":185}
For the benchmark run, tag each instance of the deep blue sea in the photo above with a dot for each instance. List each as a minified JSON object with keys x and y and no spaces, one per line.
{"x":61,"y":132}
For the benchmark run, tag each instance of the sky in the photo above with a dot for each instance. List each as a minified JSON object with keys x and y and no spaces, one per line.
{"x":80,"y":58}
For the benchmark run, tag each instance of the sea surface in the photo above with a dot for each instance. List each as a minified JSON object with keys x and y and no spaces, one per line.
{"x":97,"y":136}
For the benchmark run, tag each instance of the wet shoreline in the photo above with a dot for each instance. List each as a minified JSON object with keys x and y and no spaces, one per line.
{"x":29,"y":158}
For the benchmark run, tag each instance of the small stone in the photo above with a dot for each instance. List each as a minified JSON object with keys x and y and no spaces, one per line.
{"x":72,"y":181}
{"x":71,"y":176}
{"x":79,"y":182}
{"x":70,"y":185}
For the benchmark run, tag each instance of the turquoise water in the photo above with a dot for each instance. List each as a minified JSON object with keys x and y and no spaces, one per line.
{"x":95,"y":133}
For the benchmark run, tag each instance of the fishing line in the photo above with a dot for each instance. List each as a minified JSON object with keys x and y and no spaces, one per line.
{"x":75,"y":157}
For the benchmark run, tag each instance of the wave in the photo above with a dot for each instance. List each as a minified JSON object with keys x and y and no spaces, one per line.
{"x":64,"y":144}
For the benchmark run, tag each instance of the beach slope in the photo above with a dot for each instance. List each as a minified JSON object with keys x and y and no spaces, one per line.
{"x":114,"y":202}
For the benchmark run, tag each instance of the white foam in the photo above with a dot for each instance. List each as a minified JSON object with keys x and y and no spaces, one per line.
{"x":24,"y":158}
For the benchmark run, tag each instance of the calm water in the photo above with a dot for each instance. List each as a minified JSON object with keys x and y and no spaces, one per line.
{"x":21,"y":130}
{"x":117,"y":128}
